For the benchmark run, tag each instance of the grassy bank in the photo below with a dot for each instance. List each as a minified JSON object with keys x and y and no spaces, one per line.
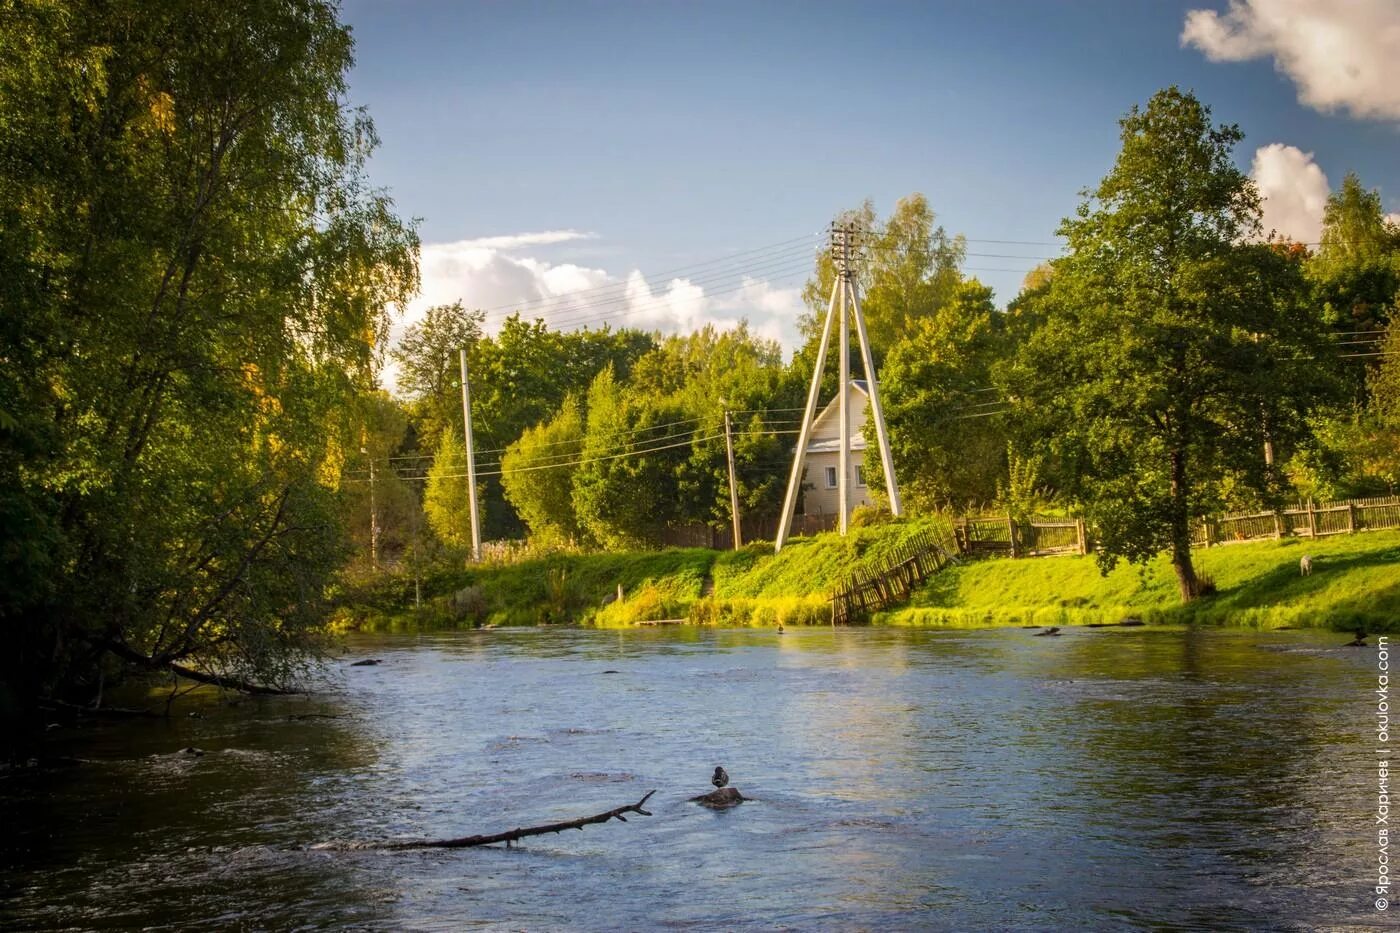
{"x":752,"y":586}
{"x":1355,"y":582}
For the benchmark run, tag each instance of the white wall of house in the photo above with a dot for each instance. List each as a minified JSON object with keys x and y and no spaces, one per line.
{"x":824,"y":455}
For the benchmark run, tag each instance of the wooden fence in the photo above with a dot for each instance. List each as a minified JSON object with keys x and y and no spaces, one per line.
{"x":892,"y":580}
{"x":1038,"y":536}
{"x":1301,"y":520}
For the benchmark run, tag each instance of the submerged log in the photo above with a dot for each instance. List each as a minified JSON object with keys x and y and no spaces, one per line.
{"x":465,"y":842}
{"x":721,"y":799}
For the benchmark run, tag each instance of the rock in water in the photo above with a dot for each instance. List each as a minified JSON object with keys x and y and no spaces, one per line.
{"x":721,"y":799}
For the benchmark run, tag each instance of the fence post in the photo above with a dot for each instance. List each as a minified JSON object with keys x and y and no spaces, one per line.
{"x":1081,"y":535}
{"x":1312,"y":519}
{"x":1011,"y":530}
{"x":1278,"y":524}
{"x":1351,"y":518}
{"x":1210,"y":530}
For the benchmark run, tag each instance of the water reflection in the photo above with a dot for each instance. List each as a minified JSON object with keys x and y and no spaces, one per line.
{"x":959,"y":780}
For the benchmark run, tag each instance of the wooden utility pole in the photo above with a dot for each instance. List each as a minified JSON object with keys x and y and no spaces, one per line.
{"x":471,"y":457}
{"x":733,"y":483}
{"x":844,"y":239}
{"x":373,"y":516}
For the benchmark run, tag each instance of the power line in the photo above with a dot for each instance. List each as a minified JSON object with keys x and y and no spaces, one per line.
{"x":578,"y":462}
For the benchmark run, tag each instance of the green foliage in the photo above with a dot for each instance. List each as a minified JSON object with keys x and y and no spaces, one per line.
{"x":538,"y":475}
{"x":194,"y":272}
{"x":447,"y":498}
{"x":948,"y":442}
{"x":1169,"y":350}
{"x":429,"y":368}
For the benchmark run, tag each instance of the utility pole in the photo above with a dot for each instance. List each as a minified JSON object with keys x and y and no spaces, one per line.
{"x":843,"y":459}
{"x":471,"y":457}
{"x":373,"y":516}
{"x":844,"y":238}
{"x":733,"y":484}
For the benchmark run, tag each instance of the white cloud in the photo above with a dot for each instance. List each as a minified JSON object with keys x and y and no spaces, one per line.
{"x":1342,"y":54}
{"x":490,"y":274}
{"x":1295,"y":191}
{"x":518,"y":240}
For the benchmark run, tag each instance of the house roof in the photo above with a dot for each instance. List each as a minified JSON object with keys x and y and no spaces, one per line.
{"x":833,"y":444}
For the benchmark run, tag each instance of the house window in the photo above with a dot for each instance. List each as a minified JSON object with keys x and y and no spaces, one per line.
{"x":831,"y":477}
{"x":860,"y":476}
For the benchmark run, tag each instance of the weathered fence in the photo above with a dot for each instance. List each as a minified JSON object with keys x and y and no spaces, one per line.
{"x":1301,"y":520}
{"x":890,"y":581}
{"x":1034,"y":537}
{"x":1040,"y":536}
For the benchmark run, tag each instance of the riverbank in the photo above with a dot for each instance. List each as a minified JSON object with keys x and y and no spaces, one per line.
{"x":749,"y":587}
{"x":1355,"y":582}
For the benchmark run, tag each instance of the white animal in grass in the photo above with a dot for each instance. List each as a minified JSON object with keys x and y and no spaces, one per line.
{"x":1305,"y":565}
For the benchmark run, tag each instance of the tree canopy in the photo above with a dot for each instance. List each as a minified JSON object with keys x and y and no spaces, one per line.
{"x":195,"y":274}
{"x":1172,"y":348}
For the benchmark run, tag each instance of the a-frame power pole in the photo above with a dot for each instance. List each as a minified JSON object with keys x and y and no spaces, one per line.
{"x":846,"y":240}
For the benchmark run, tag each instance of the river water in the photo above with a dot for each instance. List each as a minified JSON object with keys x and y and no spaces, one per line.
{"x":903,"y":779}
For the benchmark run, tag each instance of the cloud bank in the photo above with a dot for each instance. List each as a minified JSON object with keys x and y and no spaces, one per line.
{"x":497,"y":274}
{"x":1343,"y":55}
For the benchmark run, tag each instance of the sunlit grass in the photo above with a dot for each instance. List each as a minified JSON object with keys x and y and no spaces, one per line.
{"x":1355,"y":582}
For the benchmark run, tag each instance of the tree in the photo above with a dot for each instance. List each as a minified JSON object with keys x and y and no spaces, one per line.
{"x":194,"y":273}
{"x":446,"y":500}
{"x":1172,"y":349}
{"x":537,"y":473}
{"x":624,"y":492}
{"x":941,"y":407}
{"x":519,"y":377}
{"x":427,"y":358}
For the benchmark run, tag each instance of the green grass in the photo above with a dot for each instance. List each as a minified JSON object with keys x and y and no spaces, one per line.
{"x":752,"y":586}
{"x":1355,"y":582}
{"x":809,"y":565}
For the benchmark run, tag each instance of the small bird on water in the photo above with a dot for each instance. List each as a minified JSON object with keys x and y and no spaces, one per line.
{"x":720,"y":778}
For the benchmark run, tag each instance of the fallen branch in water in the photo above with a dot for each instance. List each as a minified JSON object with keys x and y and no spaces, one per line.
{"x":468,"y":841}
{"x":228,"y":683}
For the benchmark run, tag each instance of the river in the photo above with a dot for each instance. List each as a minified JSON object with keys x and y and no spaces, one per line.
{"x":1149,"y":778}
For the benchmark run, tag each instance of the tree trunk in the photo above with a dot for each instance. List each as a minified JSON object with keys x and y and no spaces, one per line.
{"x":1181,"y":530}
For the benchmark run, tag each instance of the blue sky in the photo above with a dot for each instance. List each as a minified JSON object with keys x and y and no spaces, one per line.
{"x":596,"y":141}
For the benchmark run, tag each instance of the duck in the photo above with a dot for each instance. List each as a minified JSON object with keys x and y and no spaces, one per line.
{"x":1359,"y":641}
{"x":720,"y":778}
{"x":1052,"y":630}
